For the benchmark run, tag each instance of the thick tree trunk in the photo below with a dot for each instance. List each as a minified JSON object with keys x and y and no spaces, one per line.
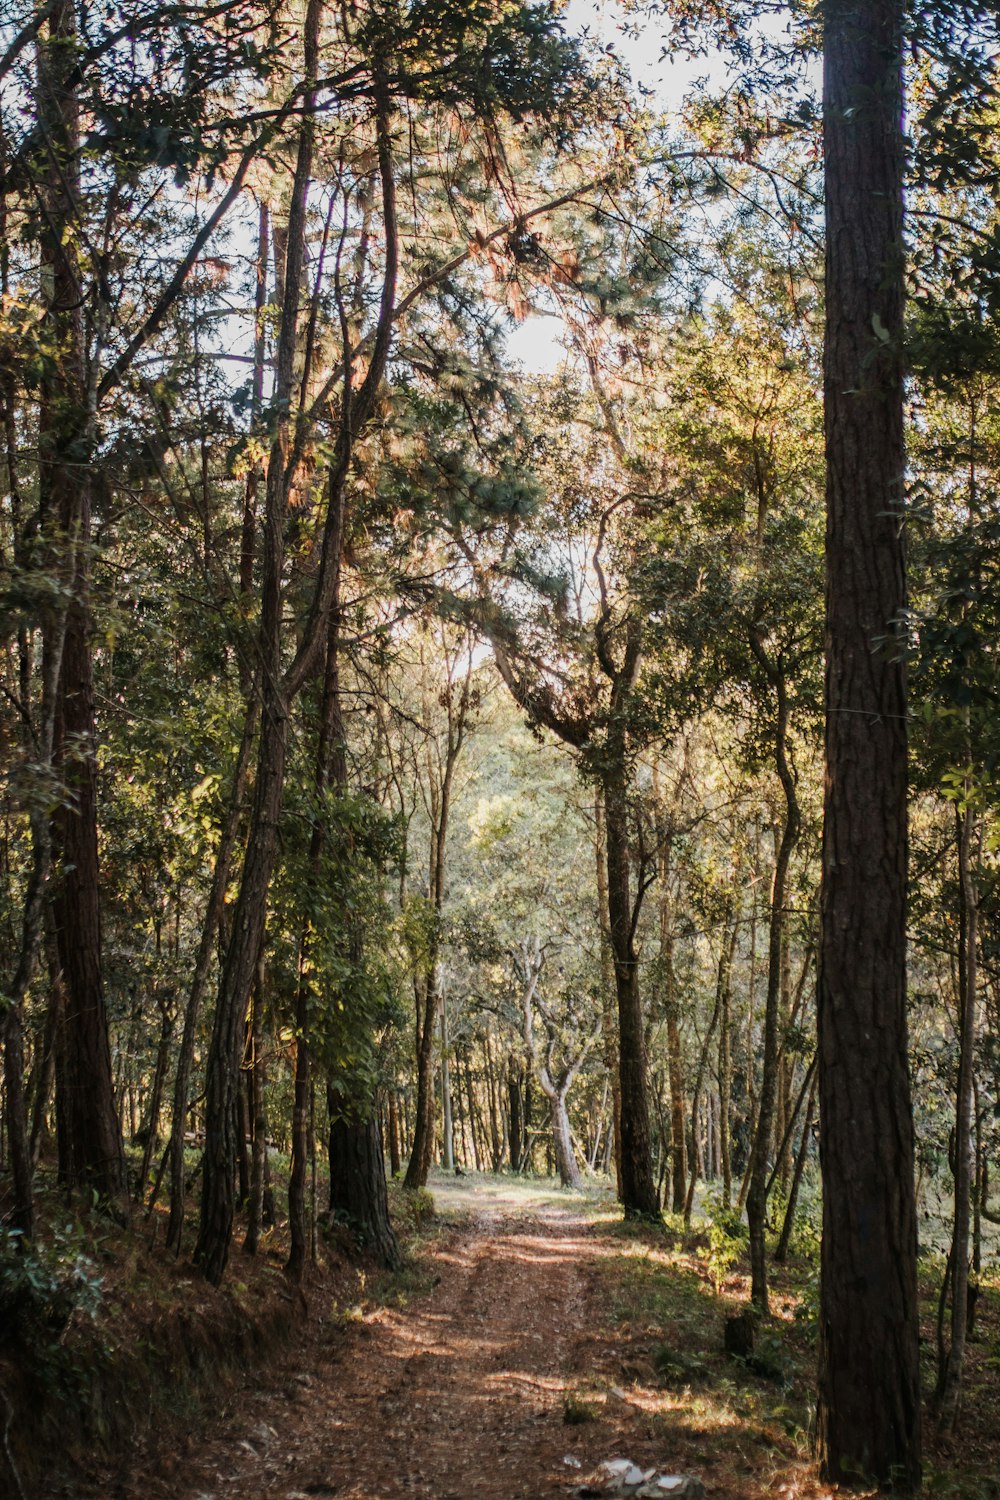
{"x":358,"y":1195}
{"x":868,"y":1420}
{"x":93,"y":1136}
{"x":93,"y":1132}
{"x":562,"y":1142}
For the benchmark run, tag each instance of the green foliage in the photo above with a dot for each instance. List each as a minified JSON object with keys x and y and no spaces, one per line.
{"x":333,"y":940}
{"x":577,"y":1410}
{"x":677,"y":1368}
{"x":413,"y":1209}
{"x":45,"y":1284}
{"x":728,"y":1239}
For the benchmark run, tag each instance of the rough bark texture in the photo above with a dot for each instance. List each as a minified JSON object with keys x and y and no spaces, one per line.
{"x":358,"y":1195}
{"x":868,"y":1422}
{"x":96,"y":1156}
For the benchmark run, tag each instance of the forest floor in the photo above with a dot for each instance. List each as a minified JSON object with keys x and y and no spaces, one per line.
{"x":532,"y":1337}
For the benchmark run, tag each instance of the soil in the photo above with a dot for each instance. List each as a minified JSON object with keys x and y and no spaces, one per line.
{"x":511,"y":1373}
{"x":460,"y":1392}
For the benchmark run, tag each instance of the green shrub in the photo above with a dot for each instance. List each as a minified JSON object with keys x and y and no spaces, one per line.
{"x":728,"y":1240}
{"x":44,"y":1284}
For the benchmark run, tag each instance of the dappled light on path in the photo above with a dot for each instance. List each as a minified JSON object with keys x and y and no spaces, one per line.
{"x":511,"y":1378}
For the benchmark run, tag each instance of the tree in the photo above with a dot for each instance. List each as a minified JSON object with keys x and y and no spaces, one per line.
{"x":869,"y":1386}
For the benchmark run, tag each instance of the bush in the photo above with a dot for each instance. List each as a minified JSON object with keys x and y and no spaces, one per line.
{"x":44,"y":1285}
{"x":728,"y":1240}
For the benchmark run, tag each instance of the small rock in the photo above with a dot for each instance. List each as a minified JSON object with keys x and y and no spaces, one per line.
{"x":622,"y":1477}
{"x":571,"y":1462}
{"x":677,"y":1486}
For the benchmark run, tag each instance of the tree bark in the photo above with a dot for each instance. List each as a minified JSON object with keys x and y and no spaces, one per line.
{"x":868,"y":1420}
{"x":222,"y":1072}
{"x":258,"y":1117}
{"x":757,"y":1189}
{"x":639,"y":1197}
{"x":96,"y":1156}
{"x":358,"y":1195}
{"x":950,"y":1377}
{"x":199,"y":979}
{"x":427,"y":987}
{"x":608,"y":1026}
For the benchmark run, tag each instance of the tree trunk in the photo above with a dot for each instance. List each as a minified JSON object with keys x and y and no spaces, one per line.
{"x":46,"y":1066}
{"x":222,"y":1072}
{"x":868,"y":1419}
{"x":330,"y":769}
{"x":562,"y":1142}
{"x":419,"y":1166}
{"x":258,"y":1112}
{"x":781,"y":1252}
{"x":608,"y":1028}
{"x":639,"y":1196}
{"x":394,"y":1157}
{"x":156,"y":1094}
{"x":358,"y":1194}
{"x":202,"y":969}
{"x":725,"y":1096}
{"x":515,"y":1117}
{"x":950,"y":1379}
{"x":729,"y":935}
{"x":65,"y":442}
{"x":757,"y":1189}
{"x":428,"y":989}
{"x":447,"y":1125}
{"x":93,"y":1132}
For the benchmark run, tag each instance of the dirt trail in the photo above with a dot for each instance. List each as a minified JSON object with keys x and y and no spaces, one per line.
{"x":461,"y":1393}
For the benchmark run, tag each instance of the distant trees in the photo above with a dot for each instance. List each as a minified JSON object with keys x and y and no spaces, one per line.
{"x":406,"y":749}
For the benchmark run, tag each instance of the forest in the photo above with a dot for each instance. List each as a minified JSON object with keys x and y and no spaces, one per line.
{"x":499,"y":714}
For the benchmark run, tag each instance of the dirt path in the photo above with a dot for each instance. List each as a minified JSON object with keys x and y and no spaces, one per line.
{"x":461,"y":1393}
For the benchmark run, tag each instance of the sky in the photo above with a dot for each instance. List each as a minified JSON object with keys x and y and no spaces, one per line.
{"x":535,"y":343}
